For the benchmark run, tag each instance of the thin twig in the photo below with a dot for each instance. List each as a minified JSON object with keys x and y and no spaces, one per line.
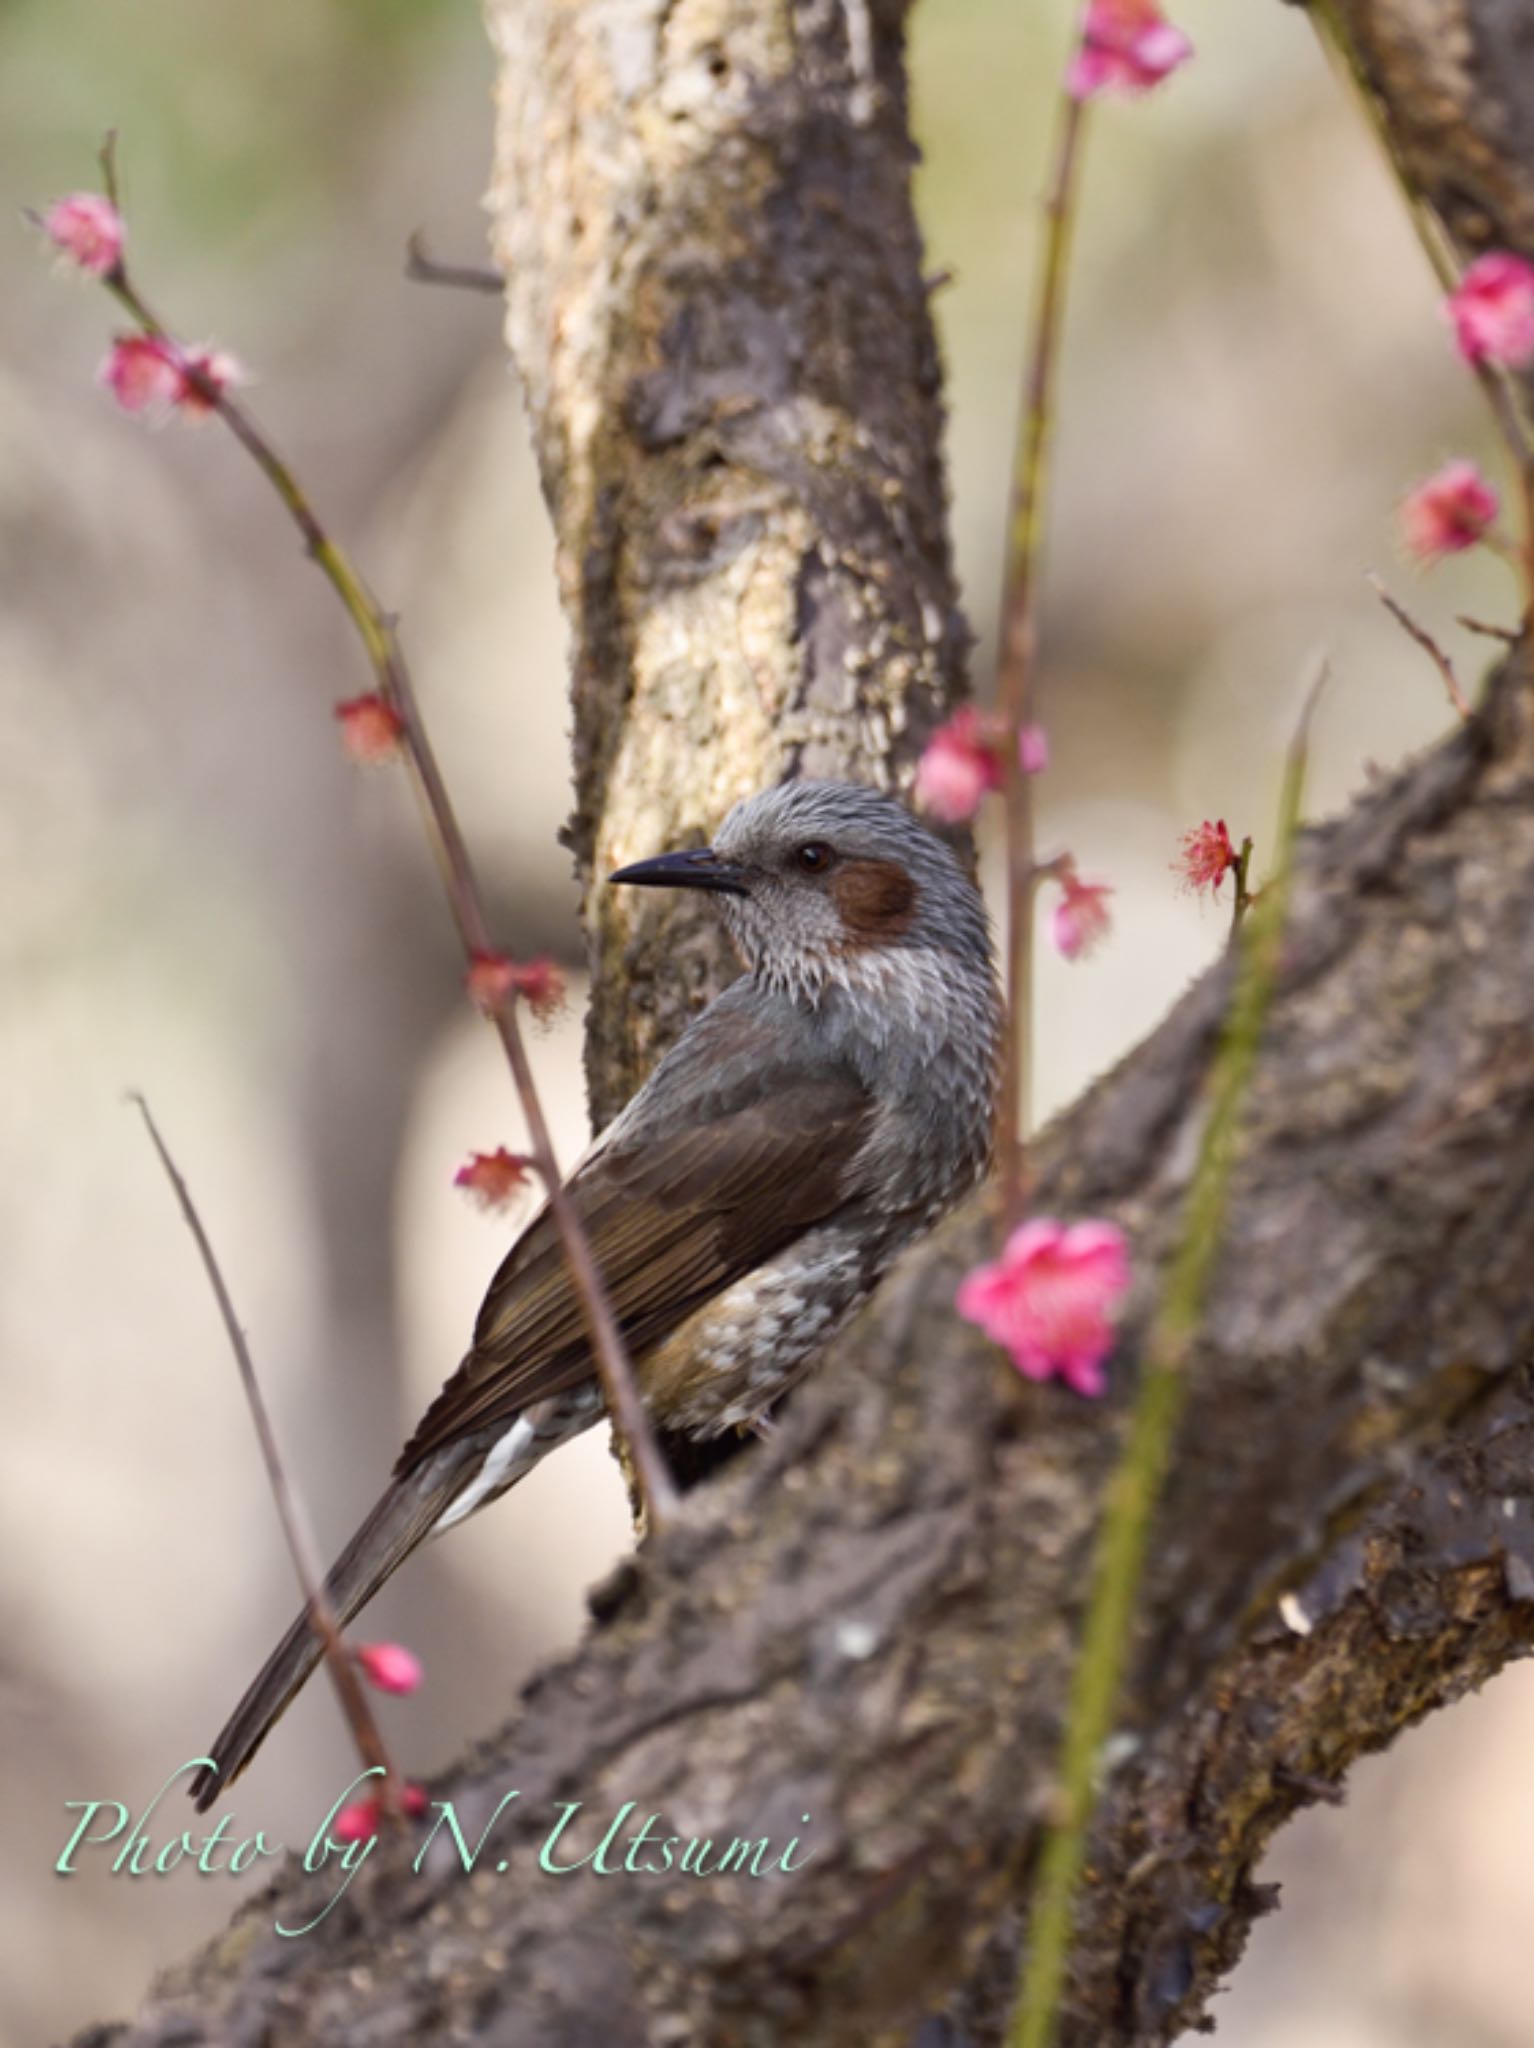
{"x":423,"y":268}
{"x":377,"y":633}
{"x":1137,"y":1479}
{"x":1019,"y":648}
{"x":295,"y":1524}
{"x":1241,"y":876}
{"x":1505,"y":634}
{"x":1424,"y":640}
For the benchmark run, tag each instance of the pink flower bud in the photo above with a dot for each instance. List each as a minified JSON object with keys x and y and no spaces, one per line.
{"x":360,"y":1821}
{"x":1127,"y":46}
{"x":389,"y":1666}
{"x":355,"y":1823}
{"x":492,"y":1178}
{"x":89,"y":230}
{"x":1451,"y":510}
{"x":371,"y":730}
{"x":1033,"y":749}
{"x":1491,"y":310}
{"x":1048,"y":1299}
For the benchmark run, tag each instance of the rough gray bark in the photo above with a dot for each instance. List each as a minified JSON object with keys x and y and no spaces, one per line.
{"x":871,"y":1622}
{"x":716,"y":303}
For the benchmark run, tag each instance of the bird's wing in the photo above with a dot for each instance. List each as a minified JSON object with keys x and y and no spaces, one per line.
{"x":676,"y":1207}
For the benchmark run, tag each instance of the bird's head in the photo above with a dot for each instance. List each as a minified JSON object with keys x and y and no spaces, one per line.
{"x":816,"y":878}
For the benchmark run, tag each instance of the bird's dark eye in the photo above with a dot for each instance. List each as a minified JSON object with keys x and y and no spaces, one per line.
{"x":814,"y":857}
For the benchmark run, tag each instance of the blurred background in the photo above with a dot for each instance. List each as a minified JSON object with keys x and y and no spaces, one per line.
{"x":205,"y":902}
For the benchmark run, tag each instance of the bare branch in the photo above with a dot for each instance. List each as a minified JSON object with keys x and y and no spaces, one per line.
{"x":295,"y":1523}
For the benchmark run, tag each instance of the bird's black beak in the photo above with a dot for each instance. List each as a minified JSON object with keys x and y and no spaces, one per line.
{"x":700,"y":868}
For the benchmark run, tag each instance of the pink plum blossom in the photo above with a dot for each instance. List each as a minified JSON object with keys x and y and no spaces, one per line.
{"x":151,"y":373}
{"x":1048,"y":1299}
{"x":1491,"y":310}
{"x":1449,"y":511}
{"x":492,"y":1178}
{"x":959,"y":765}
{"x":1207,"y":856}
{"x":964,"y":761}
{"x":216,"y":369}
{"x":142,"y":373}
{"x":1081,"y":918}
{"x":88,"y":229}
{"x":1127,"y":46}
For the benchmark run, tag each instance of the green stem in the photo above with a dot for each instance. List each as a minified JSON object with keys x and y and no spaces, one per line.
{"x":1137,"y":1479}
{"x":1241,"y":874}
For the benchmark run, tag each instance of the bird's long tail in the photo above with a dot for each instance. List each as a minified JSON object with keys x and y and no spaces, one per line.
{"x":404,"y":1516}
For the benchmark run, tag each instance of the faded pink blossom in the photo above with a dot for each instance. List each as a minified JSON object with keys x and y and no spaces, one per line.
{"x":1491,"y":310}
{"x":1449,"y":511}
{"x":541,"y":985}
{"x":493,"y":977}
{"x":142,"y":373}
{"x":216,"y":369}
{"x":492,"y":1178}
{"x":359,"y":1821}
{"x":960,"y":764}
{"x":149,"y":372}
{"x":389,"y":1666}
{"x":1048,"y":1300}
{"x":88,"y":229}
{"x":964,"y":761}
{"x":1207,"y":856}
{"x":371,"y":729}
{"x":1127,"y":46}
{"x":1081,"y":918}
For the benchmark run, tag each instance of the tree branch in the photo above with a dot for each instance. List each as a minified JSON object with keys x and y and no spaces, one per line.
{"x":873,"y":1621}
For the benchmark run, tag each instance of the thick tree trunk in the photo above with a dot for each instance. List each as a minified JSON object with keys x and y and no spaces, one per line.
{"x":717,"y":304}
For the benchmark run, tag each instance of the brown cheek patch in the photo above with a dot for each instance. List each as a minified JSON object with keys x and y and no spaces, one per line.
{"x":876,"y":898}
